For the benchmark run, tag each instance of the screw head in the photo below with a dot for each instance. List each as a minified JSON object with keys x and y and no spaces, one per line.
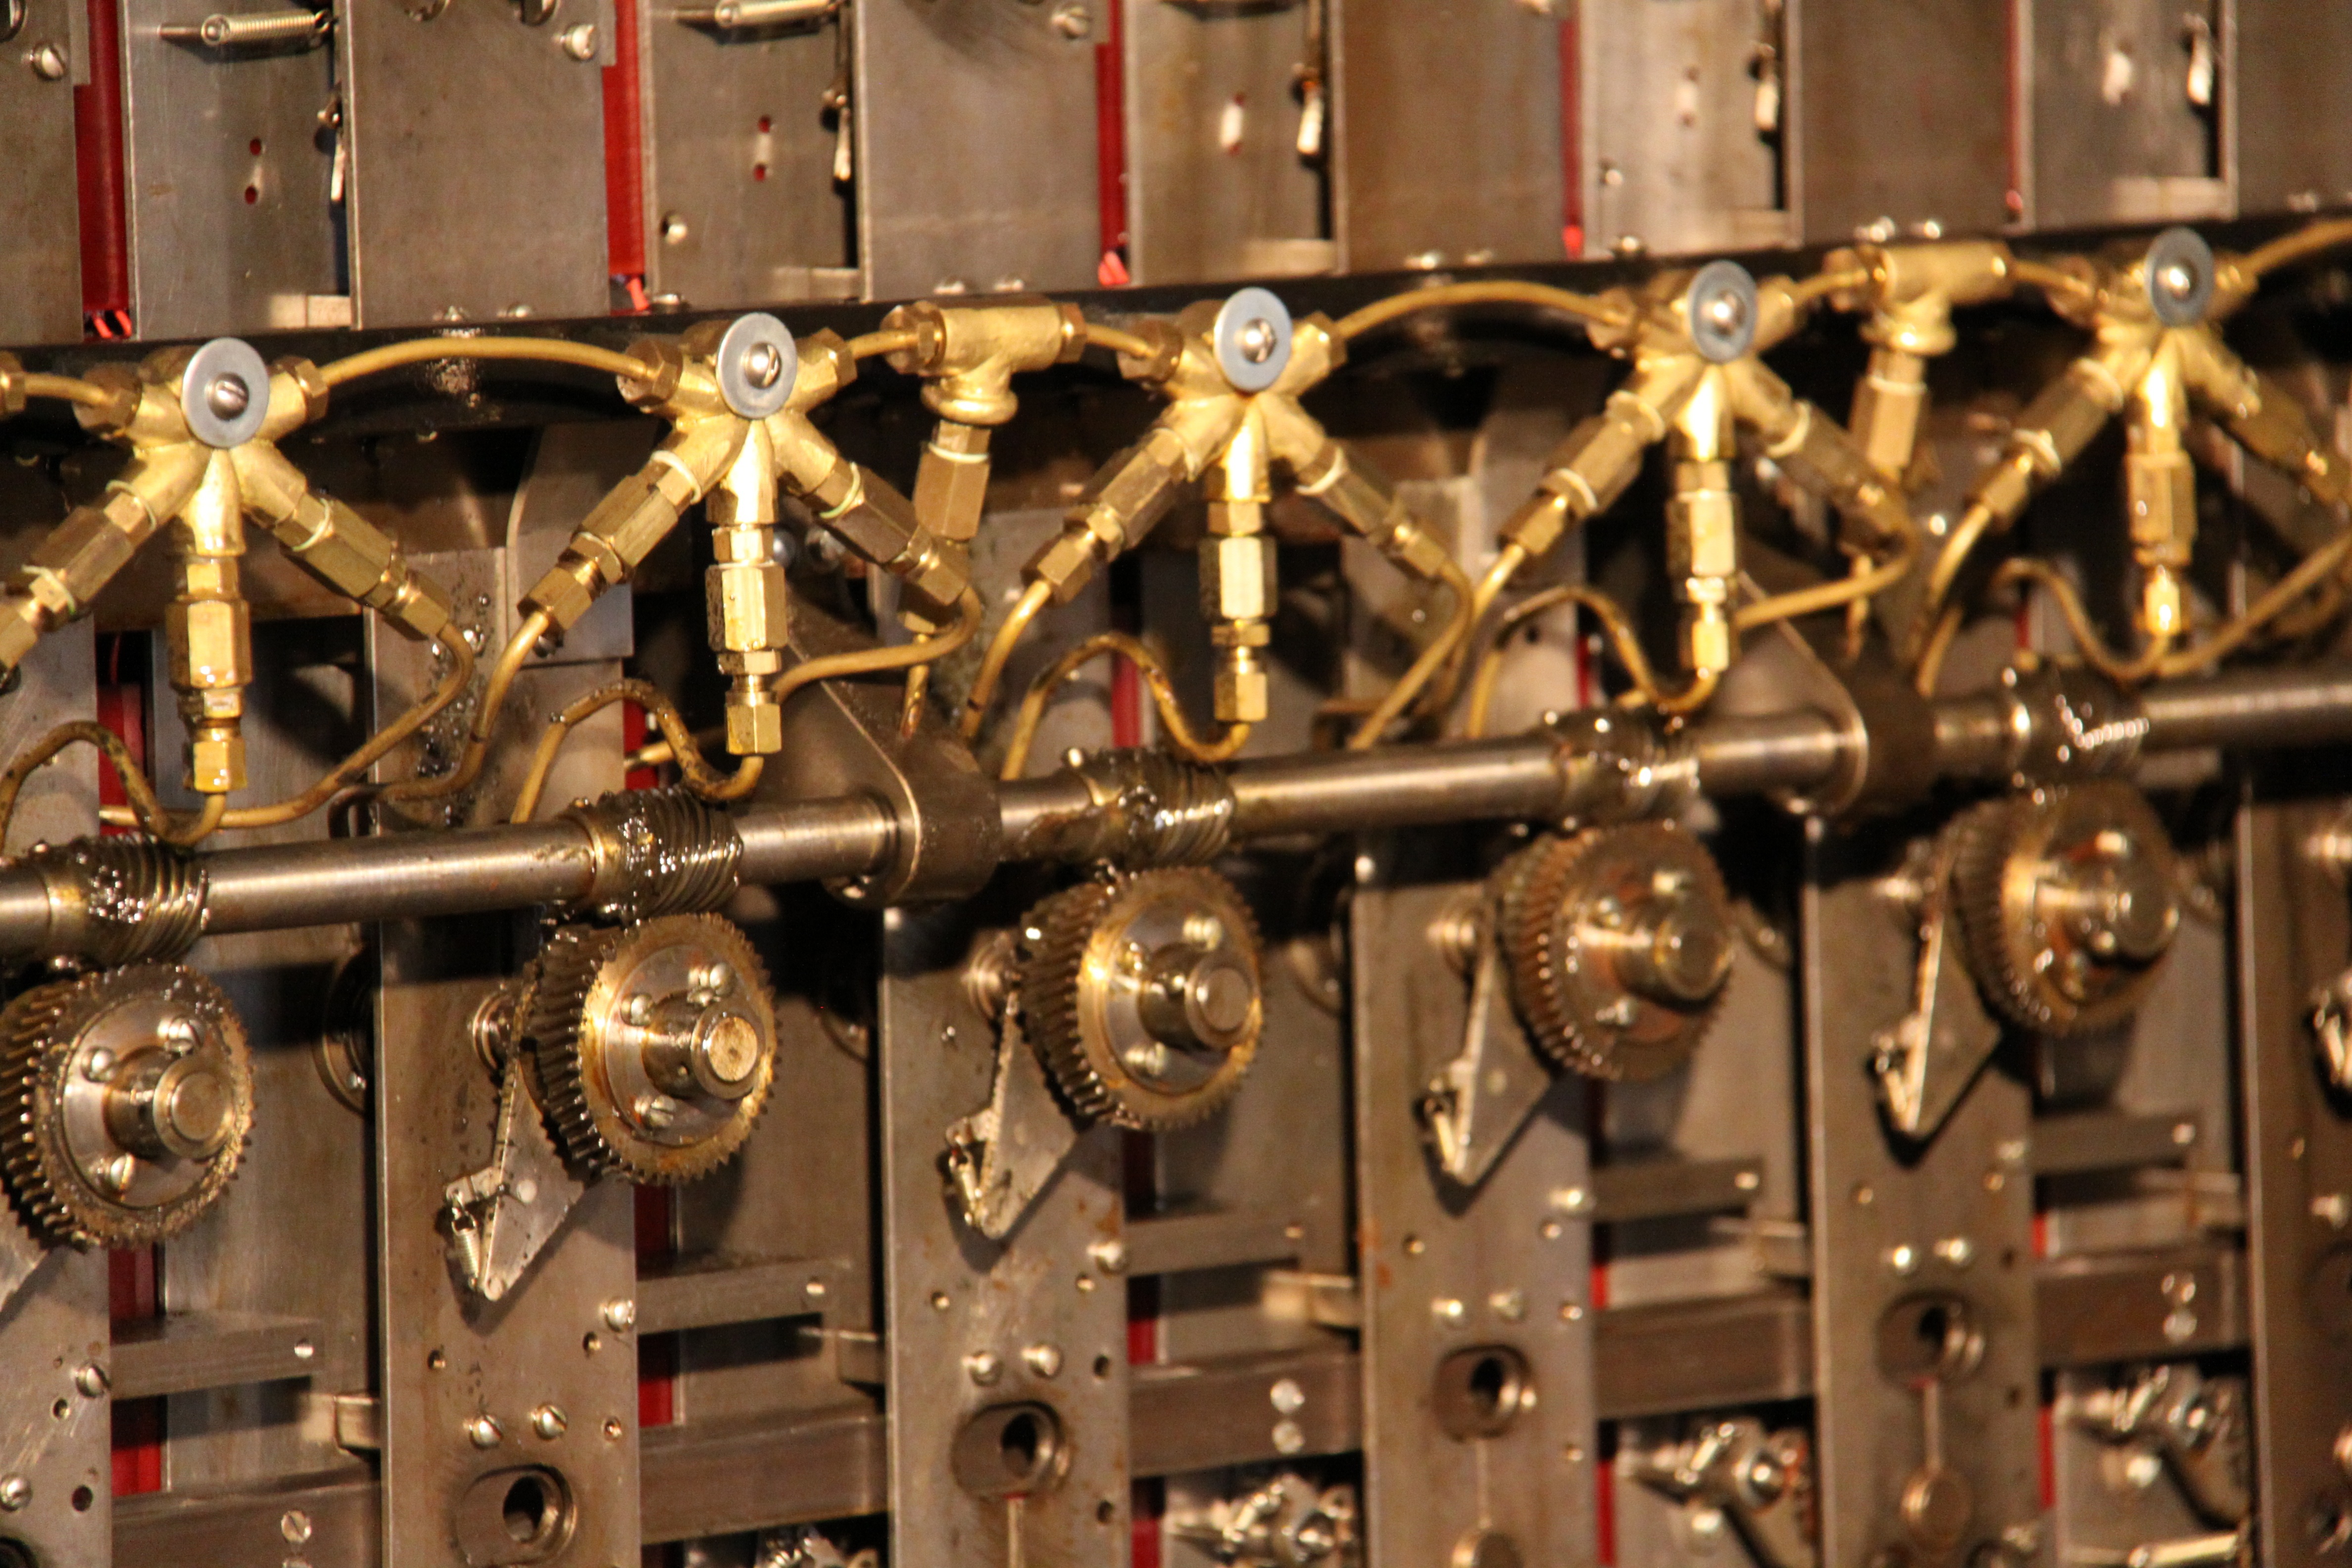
{"x":760,"y":368}
{"x":1045,"y":1361}
{"x":1073,"y":21}
{"x":1109,"y":1256}
{"x":619,"y":1314}
{"x":1256,"y":341}
{"x":579,"y":40}
{"x":484,"y":1432}
{"x":16,"y":1491}
{"x":47,"y":62}
{"x":227,"y":395}
{"x":91,"y":1379}
{"x":1286,"y":1397}
{"x":548,"y":1422}
{"x":983,"y":1367}
{"x":295,"y":1526}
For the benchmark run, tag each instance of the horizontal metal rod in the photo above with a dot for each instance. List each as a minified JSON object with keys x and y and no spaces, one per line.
{"x":416,"y":875}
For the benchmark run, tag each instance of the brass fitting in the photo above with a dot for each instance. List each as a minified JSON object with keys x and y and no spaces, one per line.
{"x":208,"y":629}
{"x":1237,"y":574}
{"x":2265,"y":418}
{"x":747,"y":599}
{"x":1359,"y":496}
{"x":1590,"y":469}
{"x":2057,"y":425}
{"x":859,"y":506}
{"x":968,"y":355}
{"x":59,"y":580}
{"x":2160,"y":490}
{"x":1702,"y":525}
{"x":336,"y":545}
{"x":1811,"y":448}
{"x":12,"y":386}
{"x":1910,"y":290}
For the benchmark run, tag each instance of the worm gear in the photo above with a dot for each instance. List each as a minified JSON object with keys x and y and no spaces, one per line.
{"x":1618,"y":942}
{"x":2065,"y":896}
{"x":125,"y":1101}
{"x":1144,"y":995}
{"x":654,"y":1043}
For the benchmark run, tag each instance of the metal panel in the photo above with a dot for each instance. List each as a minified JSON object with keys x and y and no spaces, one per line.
{"x":1455,"y":1278}
{"x":1216,"y":185}
{"x":977,"y":1326}
{"x":1678,"y":125}
{"x":740,"y":204}
{"x":976,"y":158}
{"x":2115,"y":132}
{"x":1916,"y":1253}
{"x":2291,"y":63}
{"x":2293,"y":937}
{"x":1445,"y":153}
{"x":475,"y":160}
{"x":1898,"y":113}
{"x":228,"y":157}
{"x":40,"y":240}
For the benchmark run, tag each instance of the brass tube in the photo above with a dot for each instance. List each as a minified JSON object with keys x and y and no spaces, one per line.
{"x":701,"y":778}
{"x":1030,"y":605}
{"x":426,"y":351}
{"x":1451,"y":296}
{"x":1182,"y":738}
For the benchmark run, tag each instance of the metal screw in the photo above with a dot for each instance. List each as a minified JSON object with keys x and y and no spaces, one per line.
{"x":227,"y":395}
{"x":48,"y":62}
{"x":619,"y":1314}
{"x":613,"y":1430}
{"x":1902,"y":1258}
{"x":1287,"y":1396}
{"x":91,"y":1379}
{"x":1957,"y":1250}
{"x":1511,"y":1306}
{"x":1257,"y":342}
{"x":1448,"y":1309}
{"x":484,"y":1432}
{"x":983,"y":1366}
{"x":1727,"y":312}
{"x":579,"y":40}
{"x":548,"y":1422}
{"x":1073,"y":21}
{"x":1045,"y":1361}
{"x":673,"y":229}
{"x":1287,"y":1437}
{"x":295,"y":1526}
{"x":16,"y":1491}
{"x":1110,"y":1255}
{"x":1570,"y":1200}
{"x":99,"y":1066}
{"x":762,"y":366}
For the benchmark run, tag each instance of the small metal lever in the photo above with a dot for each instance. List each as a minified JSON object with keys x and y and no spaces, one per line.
{"x":734,"y":13}
{"x":222,"y":32}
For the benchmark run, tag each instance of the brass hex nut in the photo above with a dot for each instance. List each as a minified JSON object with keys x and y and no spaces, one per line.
{"x":749,"y":607}
{"x":18,"y":632}
{"x":1237,"y":577}
{"x":1706,"y":638}
{"x":215,"y":763}
{"x":211,"y":644}
{"x":754,"y":730}
{"x":1242,"y":694}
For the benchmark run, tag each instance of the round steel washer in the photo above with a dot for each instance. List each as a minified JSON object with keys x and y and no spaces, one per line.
{"x":748,"y":334}
{"x":1717,"y":341}
{"x":1239,"y":314}
{"x":234,"y":359}
{"x":2184,"y":248}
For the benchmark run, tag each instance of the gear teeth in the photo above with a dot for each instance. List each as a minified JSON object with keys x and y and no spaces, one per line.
{"x":1988,"y":835}
{"x":1530,"y":888}
{"x":1051,"y":973}
{"x":39,"y":1033}
{"x":579,"y":1109}
{"x":550,"y":1012}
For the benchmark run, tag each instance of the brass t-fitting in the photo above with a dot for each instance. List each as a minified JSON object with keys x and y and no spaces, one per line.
{"x":969,"y":354}
{"x":1909,"y":290}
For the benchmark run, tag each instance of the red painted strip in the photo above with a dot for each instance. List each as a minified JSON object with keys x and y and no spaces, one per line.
{"x":656,"y":1353}
{"x":625,"y":168}
{"x":138,"y":1440}
{"x":98,"y":136}
{"x":1110,"y":146}
{"x":122,"y":708}
{"x":1604,"y":1502}
{"x":2047,"y":1455}
{"x":1125,"y":703}
{"x":1148,"y":1501}
{"x":1571,"y":142}
{"x":633,"y":730}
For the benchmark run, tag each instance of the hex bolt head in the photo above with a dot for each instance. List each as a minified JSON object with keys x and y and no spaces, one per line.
{"x":484,"y":1432}
{"x":548,"y":1422}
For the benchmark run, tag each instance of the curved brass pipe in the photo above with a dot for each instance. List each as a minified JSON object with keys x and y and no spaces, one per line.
{"x":1182,"y":738}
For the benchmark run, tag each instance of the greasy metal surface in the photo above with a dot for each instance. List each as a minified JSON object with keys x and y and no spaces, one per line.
{"x":230,"y":152}
{"x":975,"y":146}
{"x":474,"y":191}
{"x":40,"y":240}
{"x":1894,"y":1224}
{"x":1469,"y":175}
{"x":2294,"y":936}
{"x":1446,"y":1270}
{"x":971,"y":1324}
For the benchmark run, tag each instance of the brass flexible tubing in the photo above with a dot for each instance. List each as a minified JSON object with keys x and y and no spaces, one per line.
{"x":2310,"y":573}
{"x":1123,"y":343}
{"x":2048,"y":278}
{"x":895,"y":655}
{"x":2123,"y":669}
{"x":146,"y":810}
{"x":1437,"y":656}
{"x":1822,"y":285}
{"x":871,"y":345}
{"x":1500,"y":291}
{"x":1030,"y":605}
{"x":495,"y":692}
{"x":1930,"y":664}
{"x":425,"y":350}
{"x":1854,"y":589}
{"x":1966,"y":535}
{"x":2300,"y":245}
{"x":703,"y":779}
{"x":70,"y":389}
{"x":1182,"y":738}
{"x":1623,"y":641}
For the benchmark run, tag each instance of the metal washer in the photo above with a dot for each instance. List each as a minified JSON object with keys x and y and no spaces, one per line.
{"x":1717,"y":285}
{"x":749,"y":334}
{"x":1236,"y":320}
{"x":2185,"y":249}
{"x":220,"y":362}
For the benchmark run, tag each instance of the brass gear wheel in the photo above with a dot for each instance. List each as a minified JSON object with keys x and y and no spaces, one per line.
{"x":126,"y":1098}
{"x":1618,"y":942}
{"x":654,"y":1045}
{"x":1144,"y":996}
{"x":2065,"y":896}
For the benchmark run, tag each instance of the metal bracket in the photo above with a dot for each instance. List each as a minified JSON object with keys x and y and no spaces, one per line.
{"x":1003,"y":1154}
{"x":19,"y":1256}
{"x":498,"y":1217}
{"x":1735,"y":1468}
{"x":1478,"y":1101}
{"x":1928,"y":1058}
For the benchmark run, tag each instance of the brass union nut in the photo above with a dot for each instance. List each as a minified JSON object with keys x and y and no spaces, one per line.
{"x":1237,"y":580}
{"x":217,"y":762}
{"x":754,"y":730}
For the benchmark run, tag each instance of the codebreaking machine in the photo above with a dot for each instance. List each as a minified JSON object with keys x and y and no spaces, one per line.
{"x":1143,"y":784}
